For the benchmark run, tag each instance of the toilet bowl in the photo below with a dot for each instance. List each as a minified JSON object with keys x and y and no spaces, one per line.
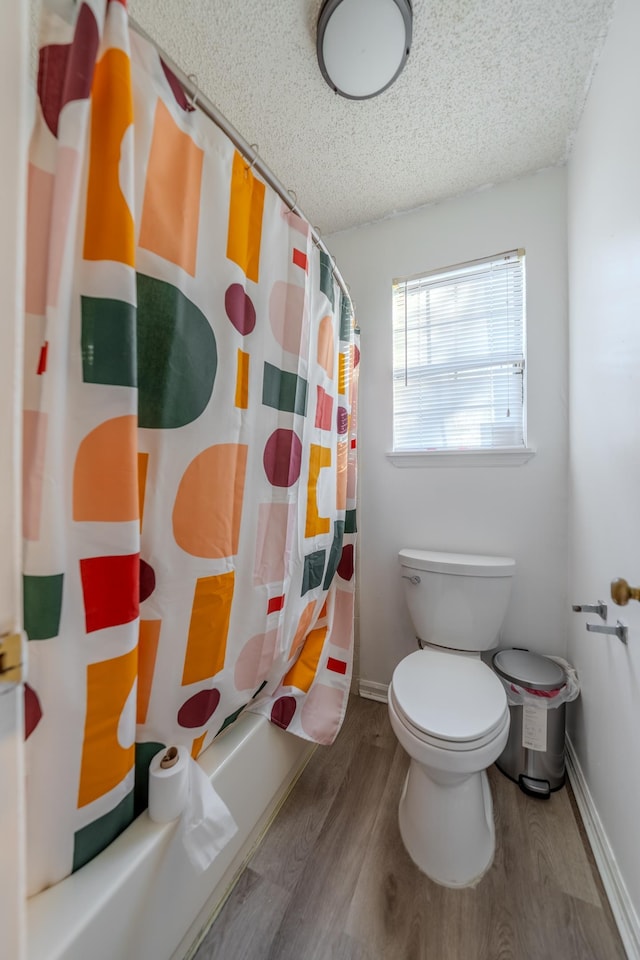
{"x":449,"y":712}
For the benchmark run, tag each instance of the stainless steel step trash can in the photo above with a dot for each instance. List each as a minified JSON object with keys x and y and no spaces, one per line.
{"x":534,"y":754}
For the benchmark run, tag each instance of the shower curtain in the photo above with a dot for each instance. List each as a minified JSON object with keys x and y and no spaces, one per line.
{"x":189,"y":442}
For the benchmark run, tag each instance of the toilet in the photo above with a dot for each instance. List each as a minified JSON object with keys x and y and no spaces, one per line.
{"x":449,"y":711}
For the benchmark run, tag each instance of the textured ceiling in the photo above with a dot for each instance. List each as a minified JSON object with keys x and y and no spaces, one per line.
{"x":493,"y":89}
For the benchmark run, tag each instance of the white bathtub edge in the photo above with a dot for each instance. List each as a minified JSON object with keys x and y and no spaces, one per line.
{"x":141,"y":897}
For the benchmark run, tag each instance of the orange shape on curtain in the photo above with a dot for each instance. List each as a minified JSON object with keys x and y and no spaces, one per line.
{"x":207,"y":641}
{"x":208,"y":505}
{"x":105,"y":480}
{"x":109,"y":231}
{"x":171,"y":207}
{"x":105,"y":762}
{"x":302,"y":673}
{"x":342,"y":476}
{"x":147,"y":652}
{"x":326,"y":345}
{"x":143,"y":466}
{"x":303,"y":625}
{"x":242,"y":381}
{"x":343,"y":371}
{"x":246,"y":205}
{"x":319,"y":457}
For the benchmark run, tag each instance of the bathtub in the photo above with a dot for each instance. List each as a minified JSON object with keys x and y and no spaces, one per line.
{"x":140,"y":899}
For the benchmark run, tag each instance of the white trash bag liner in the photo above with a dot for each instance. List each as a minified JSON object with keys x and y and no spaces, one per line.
{"x":517,"y":694}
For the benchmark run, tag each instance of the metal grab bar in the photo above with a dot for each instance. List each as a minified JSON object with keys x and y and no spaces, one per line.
{"x":600,"y":608}
{"x":620,"y":630}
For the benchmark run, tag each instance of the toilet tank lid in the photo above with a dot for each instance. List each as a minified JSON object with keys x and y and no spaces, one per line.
{"x":460,"y":564}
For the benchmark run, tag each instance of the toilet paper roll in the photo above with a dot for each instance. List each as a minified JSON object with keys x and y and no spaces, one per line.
{"x":169,"y":774}
{"x":179,"y":787}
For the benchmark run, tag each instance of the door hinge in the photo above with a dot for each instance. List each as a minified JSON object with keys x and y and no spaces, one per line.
{"x":11,"y":665}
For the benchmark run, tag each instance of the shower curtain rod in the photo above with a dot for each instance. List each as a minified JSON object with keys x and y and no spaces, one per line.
{"x":200,"y":100}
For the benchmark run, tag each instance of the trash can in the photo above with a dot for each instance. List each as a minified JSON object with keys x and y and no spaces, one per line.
{"x":538,"y":689}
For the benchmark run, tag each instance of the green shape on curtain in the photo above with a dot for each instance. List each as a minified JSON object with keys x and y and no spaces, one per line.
{"x":177,"y":356}
{"x":345,"y":318}
{"x":236,"y":713}
{"x":42,"y":598}
{"x":88,"y":842}
{"x":334,"y":553}
{"x":350,"y":522}
{"x":326,"y":276}
{"x":108,"y":342}
{"x":231,"y":718}
{"x":313,"y":570}
{"x":284,"y":391}
{"x":259,"y":690}
{"x":145,"y":752}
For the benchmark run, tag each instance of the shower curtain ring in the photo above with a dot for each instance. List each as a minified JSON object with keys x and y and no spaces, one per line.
{"x":255,"y":148}
{"x":194,"y":95}
{"x":294,"y":197}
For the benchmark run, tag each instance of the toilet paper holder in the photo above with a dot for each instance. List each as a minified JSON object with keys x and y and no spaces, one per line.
{"x":621,"y":631}
{"x":600,"y":608}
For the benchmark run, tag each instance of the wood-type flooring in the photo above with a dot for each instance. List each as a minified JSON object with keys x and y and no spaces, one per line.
{"x":332,"y":881}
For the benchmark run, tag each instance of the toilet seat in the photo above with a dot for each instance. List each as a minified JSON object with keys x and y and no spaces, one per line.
{"x":450,"y":701}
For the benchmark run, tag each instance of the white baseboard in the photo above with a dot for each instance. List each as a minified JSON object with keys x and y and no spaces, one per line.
{"x":621,"y":906}
{"x":373,"y":691}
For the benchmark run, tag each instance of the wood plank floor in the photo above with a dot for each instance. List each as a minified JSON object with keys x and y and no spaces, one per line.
{"x":332,"y":880}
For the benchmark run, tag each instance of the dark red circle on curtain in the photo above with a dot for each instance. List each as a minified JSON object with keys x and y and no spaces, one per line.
{"x":240,"y":309}
{"x":283,"y":710}
{"x":32,"y":711}
{"x":147,"y":580}
{"x":342,"y":420}
{"x":283,"y":458}
{"x":199,"y":708}
{"x":345,"y":567}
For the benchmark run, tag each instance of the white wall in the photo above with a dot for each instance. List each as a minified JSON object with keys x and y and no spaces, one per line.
{"x":13,"y":123}
{"x":604,"y":271}
{"x":516,"y":511}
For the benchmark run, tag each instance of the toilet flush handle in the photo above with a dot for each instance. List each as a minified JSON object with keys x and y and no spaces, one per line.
{"x":415,"y":579}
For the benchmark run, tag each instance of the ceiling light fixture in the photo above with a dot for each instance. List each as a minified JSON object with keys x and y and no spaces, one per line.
{"x":363,"y":44}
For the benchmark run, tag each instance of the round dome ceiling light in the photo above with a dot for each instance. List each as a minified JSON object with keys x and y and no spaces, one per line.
{"x":363,"y":44}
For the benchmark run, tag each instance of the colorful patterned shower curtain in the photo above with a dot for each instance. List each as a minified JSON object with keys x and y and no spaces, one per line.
{"x":190,"y":408}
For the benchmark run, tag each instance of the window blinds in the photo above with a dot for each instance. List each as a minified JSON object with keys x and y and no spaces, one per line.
{"x":458,"y":349}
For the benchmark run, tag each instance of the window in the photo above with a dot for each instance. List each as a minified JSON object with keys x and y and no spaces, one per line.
{"x":459,"y":358}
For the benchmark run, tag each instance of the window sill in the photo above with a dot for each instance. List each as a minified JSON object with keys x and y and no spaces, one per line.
{"x":507,"y":457}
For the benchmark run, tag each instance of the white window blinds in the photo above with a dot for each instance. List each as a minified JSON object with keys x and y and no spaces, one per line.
{"x":459,"y":357}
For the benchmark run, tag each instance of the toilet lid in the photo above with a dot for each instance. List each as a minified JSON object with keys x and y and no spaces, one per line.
{"x":448,"y":696}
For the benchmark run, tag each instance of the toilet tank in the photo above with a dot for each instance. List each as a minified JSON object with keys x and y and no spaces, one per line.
{"x":458,"y":600}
